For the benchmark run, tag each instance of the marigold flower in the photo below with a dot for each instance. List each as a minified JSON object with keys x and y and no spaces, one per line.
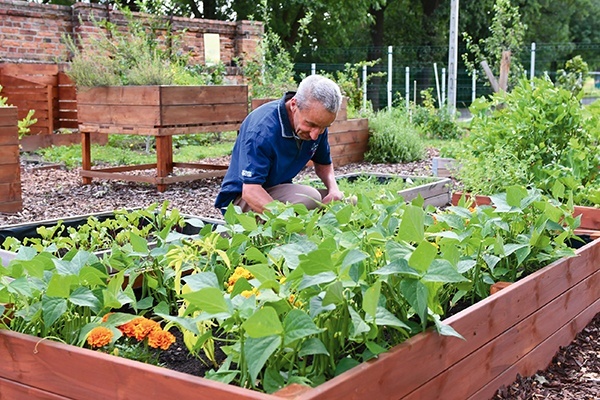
{"x":159,"y":338}
{"x":105,"y":318}
{"x":240,"y":272}
{"x":472,"y":209}
{"x":100,"y":336}
{"x":139,"y":328}
{"x":248,"y":293}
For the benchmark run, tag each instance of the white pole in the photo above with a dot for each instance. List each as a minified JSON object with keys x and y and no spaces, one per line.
{"x":437,"y":84}
{"x":532,"y":70}
{"x":313,"y":69}
{"x":444,"y":84}
{"x":453,"y":56}
{"x":389,"y":84}
{"x":415,"y":91}
{"x":407,"y":87}
{"x":364,"y":85}
{"x":474,"y":86}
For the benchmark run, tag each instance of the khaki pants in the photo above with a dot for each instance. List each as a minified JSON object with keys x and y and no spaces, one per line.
{"x":290,"y":193}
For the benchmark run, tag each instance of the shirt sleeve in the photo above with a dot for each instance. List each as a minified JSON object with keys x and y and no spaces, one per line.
{"x":256,"y":159}
{"x":323,"y":153}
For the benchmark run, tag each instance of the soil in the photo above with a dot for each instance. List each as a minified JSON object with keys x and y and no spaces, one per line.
{"x":55,"y":192}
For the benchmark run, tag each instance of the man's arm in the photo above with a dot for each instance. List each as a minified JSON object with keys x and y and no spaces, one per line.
{"x":256,"y":196}
{"x":326,"y":174}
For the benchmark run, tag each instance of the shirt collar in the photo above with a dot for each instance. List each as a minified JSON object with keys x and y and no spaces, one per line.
{"x":284,"y":120}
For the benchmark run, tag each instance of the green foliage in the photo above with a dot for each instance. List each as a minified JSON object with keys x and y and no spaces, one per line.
{"x":374,"y":185}
{"x":573,"y":76}
{"x":435,"y":123}
{"x":393,"y":139}
{"x":140,"y":55}
{"x":293,"y":295}
{"x":538,"y":134}
{"x":507,"y":33}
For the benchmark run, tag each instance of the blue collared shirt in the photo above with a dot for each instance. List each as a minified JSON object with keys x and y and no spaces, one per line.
{"x":268,"y":152}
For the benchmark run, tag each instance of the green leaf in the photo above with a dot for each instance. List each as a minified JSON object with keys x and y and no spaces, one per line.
{"x":59,"y":286}
{"x":416,"y":293}
{"x":371,"y":299}
{"x":202,"y":280}
{"x":257,"y":351}
{"x":298,"y":325}
{"x":262,"y":272}
{"x":397,"y":267}
{"x":385,"y":318}
{"x":311,"y":280}
{"x":412,"y":227}
{"x":264,"y":322}
{"x":138,"y":243}
{"x":359,"y":326}
{"x":442,"y":271}
{"x":514,"y":195}
{"x":423,"y":256}
{"x":84,"y":297}
{"x":52,"y":309}
{"x":344,"y":365}
{"x":210,"y":300}
{"x":316,"y":262}
{"x":312,"y":346}
{"x":334,"y":294}
{"x":255,"y":255}
{"x":354,"y":256}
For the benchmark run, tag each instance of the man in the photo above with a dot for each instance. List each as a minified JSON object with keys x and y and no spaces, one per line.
{"x":276,"y":141}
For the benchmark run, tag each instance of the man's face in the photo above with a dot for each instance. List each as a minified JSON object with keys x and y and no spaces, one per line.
{"x":311,"y":121}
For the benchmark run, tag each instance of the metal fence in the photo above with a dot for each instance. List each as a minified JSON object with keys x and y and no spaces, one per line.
{"x":539,"y":58}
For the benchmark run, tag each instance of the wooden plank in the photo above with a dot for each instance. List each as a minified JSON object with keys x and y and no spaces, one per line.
{"x":11,"y":82}
{"x":402,"y":370}
{"x":10,"y":173}
{"x":117,"y":176}
{"x":8,"y":116}
{"x":192,"y":95}
{"x":514,"y":344}
{"x":9,"y":135}
{"x":10,"y":192}
{"x":349,"y":125}
{"x":77,"y":373}
{"x":590,"y":217}
{"x":11,"y":206}
{"x":9,"y":154}
{"x":361,"y":136}
{"x":34,"y":142}
{"x":218,"y":172}
{"x":125,"y":114}
{"x":349,"y":148}
{"x":527,"y":366}
{"x":15,"y":390}
{"x":441,"y":187}
{"x":199,"y":165}
{"x":146,"y":131}
{"x":127,"y":168}
{"x":203,"y":114}
{"x":348,"y":159}
{"x":148,"y":96}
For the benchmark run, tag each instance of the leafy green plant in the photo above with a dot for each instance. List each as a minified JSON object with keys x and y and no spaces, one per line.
{"x":393,"y":138}
{"x":573,"y":75}
{"x":434,"y":123}
{"x":539,"y":135}
{"x":374,"y":185}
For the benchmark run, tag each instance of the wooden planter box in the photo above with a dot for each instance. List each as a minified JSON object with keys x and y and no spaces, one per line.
{"x":435,"y":193}
{"x":515,"y":331}
{"x":10,"y":165}
{"x":444,"y":167}
{"x":159,"y":111}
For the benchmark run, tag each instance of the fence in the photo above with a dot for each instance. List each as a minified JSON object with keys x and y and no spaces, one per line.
{"x":545,"y":58}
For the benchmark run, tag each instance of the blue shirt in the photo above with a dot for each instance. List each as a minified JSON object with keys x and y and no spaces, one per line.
{"x":268,"y":152}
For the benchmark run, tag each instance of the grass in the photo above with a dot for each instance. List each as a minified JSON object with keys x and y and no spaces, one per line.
{"x":134,"y":149}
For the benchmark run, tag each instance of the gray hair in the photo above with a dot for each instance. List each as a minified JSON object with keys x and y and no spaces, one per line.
{"x":321,"y":89}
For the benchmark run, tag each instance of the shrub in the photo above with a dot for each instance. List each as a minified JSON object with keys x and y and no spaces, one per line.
{"x":435,"y":123}
{"x":536,"y":135}
{"x":393,"y":138}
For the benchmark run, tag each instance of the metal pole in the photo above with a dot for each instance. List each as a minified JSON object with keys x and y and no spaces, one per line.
{"x":444,"y":84}
{"x":389,"y":83}
{"x":407,"y":87}
{"x":474,"y":86}
{"x":453,"y":56}
{"x":313,"y":69}
{"x":437,"y":85}
{"x":532,"y":70}
{"x":415,"y":91}
{"x":364,"y":86}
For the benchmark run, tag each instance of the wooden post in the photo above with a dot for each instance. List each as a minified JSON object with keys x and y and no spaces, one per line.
{"x":86,"y":159}
{"x":164,"y":159}
{"x":504,"y":69}
{"x":490,"y":75}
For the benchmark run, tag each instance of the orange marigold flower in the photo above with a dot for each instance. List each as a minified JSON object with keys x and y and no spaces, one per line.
{"x":105,"y":318}
{"x":472,"y":209}
{"x":160,"y":338}
{"x":100,"y":336}
{"x":138,"y":328}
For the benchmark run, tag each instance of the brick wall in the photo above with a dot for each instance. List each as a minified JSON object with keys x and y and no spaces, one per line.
{"x":31,"y":32}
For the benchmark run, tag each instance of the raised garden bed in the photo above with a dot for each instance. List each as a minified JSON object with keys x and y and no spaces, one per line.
{"x":10,"y":169}
{"x":516,"y":331}
{"x":434,"y":191}
{"x":159,"y":111}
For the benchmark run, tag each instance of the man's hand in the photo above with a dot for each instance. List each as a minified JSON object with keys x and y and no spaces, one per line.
{"x":332,"y":195}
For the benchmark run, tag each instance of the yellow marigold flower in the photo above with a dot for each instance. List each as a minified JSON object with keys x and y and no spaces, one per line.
{"x":100,"y":336}
{"x":240,"y":272}
{"x":139,"y":328}
{"x":159,"y":338}
{"x":294,"y":302}
{"x":248,"y":293}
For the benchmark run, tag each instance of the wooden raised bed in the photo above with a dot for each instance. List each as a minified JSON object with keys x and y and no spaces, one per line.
{"x":159,"y":111}
{"x":515,"y":331}
{"x":10,"y":165}
{"x":435,"y":193}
